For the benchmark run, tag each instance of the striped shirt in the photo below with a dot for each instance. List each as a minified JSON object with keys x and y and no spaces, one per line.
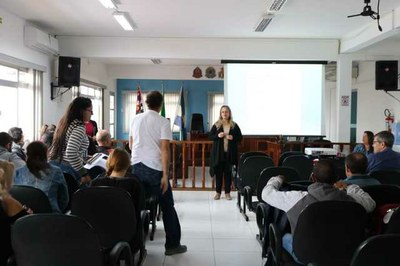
{"x":77,"y":144}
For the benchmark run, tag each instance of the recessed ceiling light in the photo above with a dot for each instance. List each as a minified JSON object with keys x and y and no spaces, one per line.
{"x":109,"y":3}
{"x":124,"y":20}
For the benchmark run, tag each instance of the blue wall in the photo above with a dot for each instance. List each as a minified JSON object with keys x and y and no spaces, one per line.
{"x":196,"y":92}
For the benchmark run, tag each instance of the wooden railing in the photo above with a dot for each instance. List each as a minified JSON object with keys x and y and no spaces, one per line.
{"x":193,"y":154}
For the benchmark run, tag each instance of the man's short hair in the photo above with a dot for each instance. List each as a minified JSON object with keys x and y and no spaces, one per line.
{"x":16,"y":134}
{"x":357,"y":163}
{"x":154,"y":100}
{"x":324,"y":172}
{"x":103,"y":136}
{"x":5,"y":139}
{"x":385,"y":137}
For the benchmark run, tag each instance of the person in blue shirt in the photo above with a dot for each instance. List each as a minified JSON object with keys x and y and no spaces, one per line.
{"x":367,"y":146}
{"x":356,"y":170}
{"x":383,"y":158}
{"x":40,"y":174}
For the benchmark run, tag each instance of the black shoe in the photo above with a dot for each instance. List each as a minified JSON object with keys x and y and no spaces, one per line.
{"x":172,"y":251}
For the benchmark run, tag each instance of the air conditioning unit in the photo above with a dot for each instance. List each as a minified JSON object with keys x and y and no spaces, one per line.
{"x":40,"y":40}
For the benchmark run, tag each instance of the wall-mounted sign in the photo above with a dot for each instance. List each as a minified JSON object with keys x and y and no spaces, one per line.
{"x":345,"y":100}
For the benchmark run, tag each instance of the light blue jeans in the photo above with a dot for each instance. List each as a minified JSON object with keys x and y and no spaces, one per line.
{"x":287,"y":244}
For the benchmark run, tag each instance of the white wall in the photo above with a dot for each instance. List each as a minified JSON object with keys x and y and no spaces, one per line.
{"x":372,"y":103}
{"x":158,"y":72}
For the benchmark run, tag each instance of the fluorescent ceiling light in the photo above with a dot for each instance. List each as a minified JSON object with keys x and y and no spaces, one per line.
{"x":124,"y":20}
{"x":264,"y":22}
{"x":277,"y":5}
{"x":109,"y":3}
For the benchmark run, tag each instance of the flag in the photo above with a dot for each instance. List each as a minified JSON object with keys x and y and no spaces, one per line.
{"x":180,"y":115}
{"x":163,"y":101}
{"x":139,"y":103}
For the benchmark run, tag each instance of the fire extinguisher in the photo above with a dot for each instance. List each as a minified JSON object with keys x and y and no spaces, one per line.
{"x":389,"y":119}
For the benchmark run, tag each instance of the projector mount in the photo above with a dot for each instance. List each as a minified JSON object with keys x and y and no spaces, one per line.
{"x":368,"y":12}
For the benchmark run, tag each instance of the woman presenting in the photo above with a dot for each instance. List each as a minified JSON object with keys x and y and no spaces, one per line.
{"x":225,"y":135}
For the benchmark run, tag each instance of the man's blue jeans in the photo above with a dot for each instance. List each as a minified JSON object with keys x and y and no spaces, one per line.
{"x":287,"y":244}
{"x":151,"y":178}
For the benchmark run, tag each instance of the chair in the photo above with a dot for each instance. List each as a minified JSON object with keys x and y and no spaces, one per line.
{"x":287,"y":154}
{"x":391,"y":177}
{"x":96,"y":171}
{"x":327,"y":233}
{"x":236,"y":174}
{"x":73,"y":186}
{"x":385,"y":197}
{"x":110,"y":211}
{"x":249,"y":175}
{"x":393,"y":226}
{"x":32,"y":197}
{"x":302,"y":164}
{"x":263,"y":210}
{"x":378,"y":250}
{"x":63,"y":240}
{"x":196,"y":123}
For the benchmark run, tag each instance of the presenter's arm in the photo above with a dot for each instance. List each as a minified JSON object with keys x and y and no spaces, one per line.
{"x":165,"y":164}
{"x":236,"y":134}
{"x":213,"y":135}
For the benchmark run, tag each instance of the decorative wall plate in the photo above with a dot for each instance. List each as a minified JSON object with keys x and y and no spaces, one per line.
{"x":197,"y":73}
{"x":210,"y":72}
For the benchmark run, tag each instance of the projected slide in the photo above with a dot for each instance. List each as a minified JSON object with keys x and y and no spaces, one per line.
{"x":269,"y":99}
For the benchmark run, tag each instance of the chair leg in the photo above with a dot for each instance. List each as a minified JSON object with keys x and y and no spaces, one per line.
{"x":159,"y":212}
{"x":142,"y":256}
{"x":244,"y":212}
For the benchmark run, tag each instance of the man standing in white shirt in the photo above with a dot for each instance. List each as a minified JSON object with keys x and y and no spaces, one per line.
{"x":149,"y":139}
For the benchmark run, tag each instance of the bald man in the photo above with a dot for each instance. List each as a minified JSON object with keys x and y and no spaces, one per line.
{"x":103,"y":139}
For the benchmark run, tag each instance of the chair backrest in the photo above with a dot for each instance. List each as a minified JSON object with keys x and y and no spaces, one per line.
{"x":393,"y":227}
{"x":267,"y":173}
{"x":391,"y":177}
{"x":96,"y":171}
{"x":329,"y":232}
{"x":246,"y":155}
{"x":109,"y":210}
{"x":378,"y":250}
{"x":301,"y":163}
{"x":55,"y":239}
{"x":383,"y":194}
{"x":287,"y":154}
{"x":196,"y":123}
{"x":251,"y":170}
{"x":72,"y":185}
{"x":32,"y":197}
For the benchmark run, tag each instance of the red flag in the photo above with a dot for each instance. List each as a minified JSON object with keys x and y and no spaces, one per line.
{"x":139,"y":104}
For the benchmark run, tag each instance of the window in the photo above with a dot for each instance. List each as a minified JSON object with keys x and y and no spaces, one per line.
{"x":95,"y":94}
{"x":112,"y":114}
{"x":171,"y":100}
{"x":20,"y":100}
{"x":215,"y":101}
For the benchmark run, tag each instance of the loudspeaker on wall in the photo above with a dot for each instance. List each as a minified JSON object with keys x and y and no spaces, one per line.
{"x":386,"y":75}
{"x":69,"y":71}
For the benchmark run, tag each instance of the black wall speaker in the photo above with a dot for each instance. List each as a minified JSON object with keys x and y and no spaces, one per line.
{"x":386,"y":75}
{"x":69,"y":71}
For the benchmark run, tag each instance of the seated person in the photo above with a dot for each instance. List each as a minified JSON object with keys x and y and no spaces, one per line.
{"x":383,"y":158}
{"x":5,"y":151}
{"x":10,"y":210}
{"x":367,"y":146}
{"x":18,"y":142}
{"x":103,"y":139}
{"x":293,"y":202}
{"x":48,"y":136}
{"x":356,"y":170}
{"x":117,"y":165}
{"x":40,"y":174}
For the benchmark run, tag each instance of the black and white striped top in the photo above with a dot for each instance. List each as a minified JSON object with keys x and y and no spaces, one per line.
{"x":76,"y":145}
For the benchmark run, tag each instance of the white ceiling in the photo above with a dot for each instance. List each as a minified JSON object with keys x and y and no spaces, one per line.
{"x":197,"y":19}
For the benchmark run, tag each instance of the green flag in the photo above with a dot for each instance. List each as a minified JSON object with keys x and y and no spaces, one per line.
{"x":163,"y":103}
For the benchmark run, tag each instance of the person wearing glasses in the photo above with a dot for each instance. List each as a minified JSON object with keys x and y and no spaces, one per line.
{"x":70,"y":144}
{"x":383,"y":158}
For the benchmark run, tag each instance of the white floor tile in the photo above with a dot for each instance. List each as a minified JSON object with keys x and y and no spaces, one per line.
{"x":239,"y":259}
{"x":191,"y":258}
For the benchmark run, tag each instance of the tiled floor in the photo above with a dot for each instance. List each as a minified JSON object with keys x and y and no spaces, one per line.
{"x":214,"y":232}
